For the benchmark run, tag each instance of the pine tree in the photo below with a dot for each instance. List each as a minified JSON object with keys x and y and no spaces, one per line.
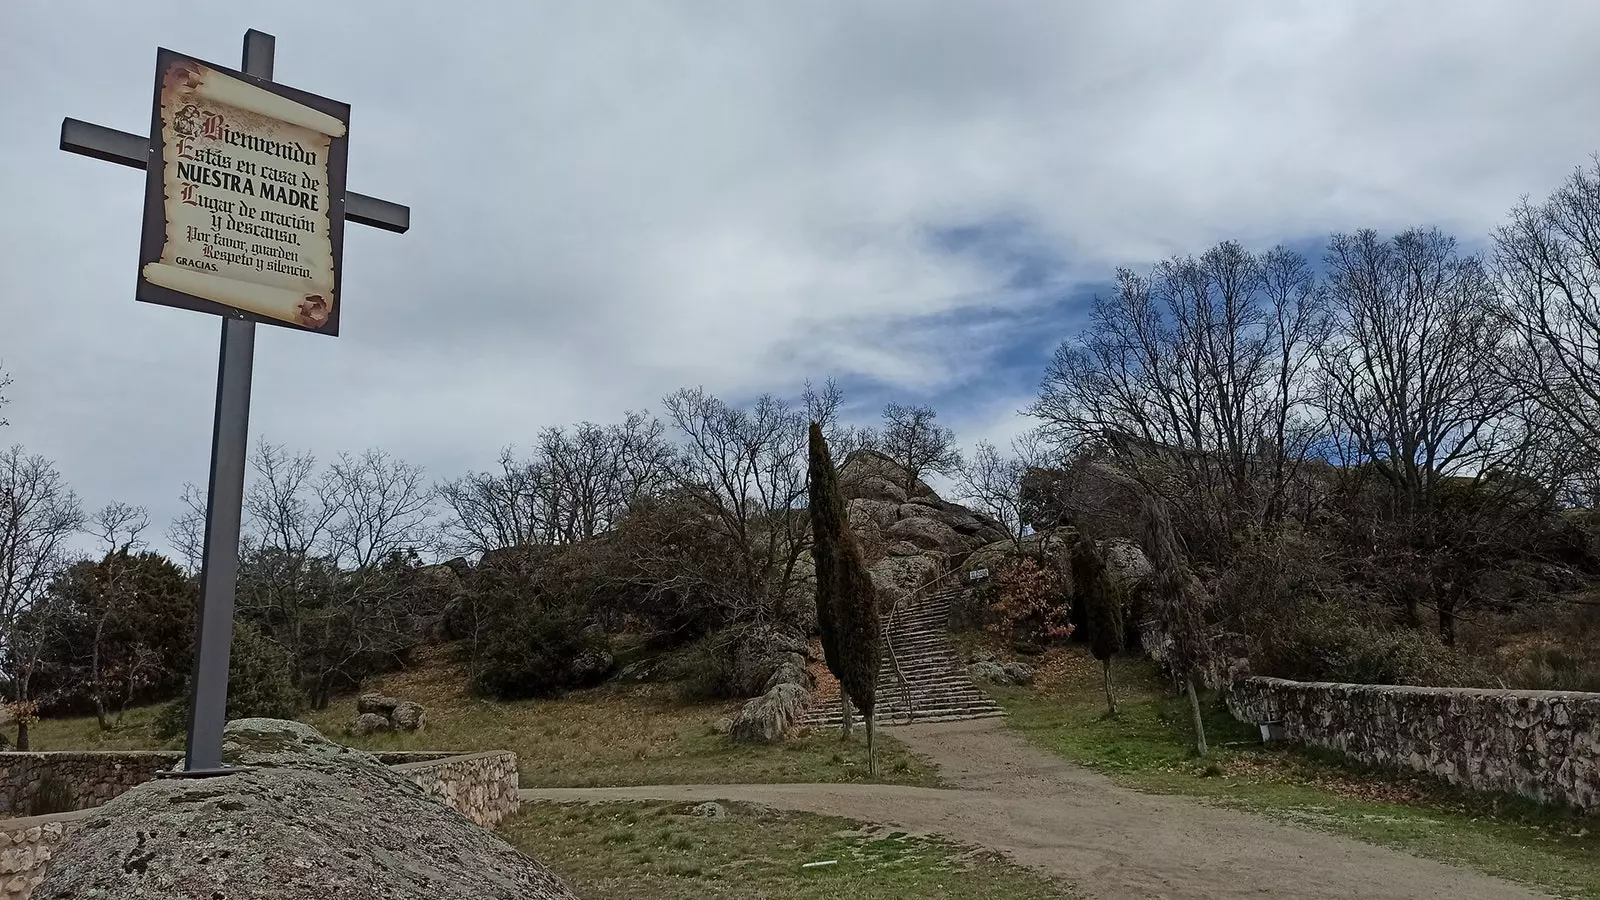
{"x":847,"y":604}
{"x":1178,"y":599}
{"x":1103,"y":608}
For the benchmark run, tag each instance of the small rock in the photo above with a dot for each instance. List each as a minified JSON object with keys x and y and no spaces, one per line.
{"x":710,"y":810}
{"x":979,"y":656}
{"x":407,"y":716}
{"x":1018,"y":673}
{"x":368,"y":723}
{"x":989,"y":671}
{"x":376,"y":703}
{"x":723,"y":725}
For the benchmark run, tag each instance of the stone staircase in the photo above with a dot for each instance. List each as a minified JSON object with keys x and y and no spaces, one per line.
{"x":937,"y":687}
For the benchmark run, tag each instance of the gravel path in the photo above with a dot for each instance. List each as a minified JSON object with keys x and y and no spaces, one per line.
{"x":1108,"y":842}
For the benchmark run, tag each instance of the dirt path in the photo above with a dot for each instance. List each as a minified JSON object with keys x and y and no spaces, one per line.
{"x":1106,"y":841}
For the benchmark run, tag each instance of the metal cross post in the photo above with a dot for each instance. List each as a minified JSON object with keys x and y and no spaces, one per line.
{"x":230,"y":431}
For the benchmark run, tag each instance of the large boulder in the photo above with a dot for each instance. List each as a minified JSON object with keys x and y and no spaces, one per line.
{"x":1125,"y":561}
{"x":929,"y":534}
{"x":897,"y":577}
{"x":590,"y":666}
{"x":868,"y":515}
{"x":767,"y":718}
{"x":311,"y":820}
{"x":1054,"y":545}
{"x":762,"y":652}
{"x":1011,"y":673}
{"x":865,"y":472}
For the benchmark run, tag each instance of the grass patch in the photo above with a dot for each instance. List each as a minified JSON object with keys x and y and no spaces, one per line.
{"x":1150,"y":746}
{"x":613,"y":735}
{"x":754,"y":852}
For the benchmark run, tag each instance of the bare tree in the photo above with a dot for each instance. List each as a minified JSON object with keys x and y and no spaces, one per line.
{"x":991,"y":481}
{"x":1193,"y":383}
{"x":491,"y":510}
{"x":119,"y":528}
{"x":38,"y":514}
{"x":1411,"y":379}
{"x":746,"y":471}
{"x":5,"y":382}
{"x":576,"y":485}
{"x":187,"y":533}
{"x":1547,"y":259}
{"x":325,"y":550}
{"x":912,"y":437}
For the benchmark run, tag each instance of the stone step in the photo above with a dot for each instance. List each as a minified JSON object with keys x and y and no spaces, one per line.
{"x":919,"y":718}
{"x":831,"y":710}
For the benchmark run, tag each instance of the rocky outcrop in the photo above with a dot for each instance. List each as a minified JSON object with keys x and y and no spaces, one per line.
{"x":1009,"y":673}
{"x":768,"y":718}
{"x":773,"y":661}
{"x":310,"y":820}
{"x":768,"y":655}
{"x":884,"y":514}
{"x":376,"y":712}
{"x":868,"y":473}
{"x":927,"y":533}
{"x":1055,"y":545}
{"x":896,"y":578}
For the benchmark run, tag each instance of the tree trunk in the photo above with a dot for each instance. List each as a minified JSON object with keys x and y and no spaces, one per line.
{"x":1111,"y":699}
{"x":1447,"y":619}
{"x":872,"y":758}
{"x":22,"y":734}
{"x":844,"y":704}
{"x":1199,"y":723}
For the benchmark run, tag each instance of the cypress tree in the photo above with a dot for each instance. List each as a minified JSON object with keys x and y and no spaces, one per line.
{"x":847,"y":604}
{"x":1102,"y":604}
{"x":1179,"y":603}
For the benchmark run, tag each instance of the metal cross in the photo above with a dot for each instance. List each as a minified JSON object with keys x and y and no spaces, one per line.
{"x":220,"y":559}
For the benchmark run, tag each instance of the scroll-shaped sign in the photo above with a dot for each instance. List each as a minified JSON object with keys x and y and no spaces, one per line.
{"x":244,"y":203}
{"x":977,"y":574}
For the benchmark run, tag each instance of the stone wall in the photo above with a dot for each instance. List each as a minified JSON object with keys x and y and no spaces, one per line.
{"x":26,"y":846}
{"x":480,"y":786}
{"x":1541,"y":744}
{"x":33,"y":784}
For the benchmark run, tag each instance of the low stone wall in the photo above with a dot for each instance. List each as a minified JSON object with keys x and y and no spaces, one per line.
{"x":480,"y":786}
{"x":26,"y":846}
{"x":1540,"y":744}
{"x":33,"y":784}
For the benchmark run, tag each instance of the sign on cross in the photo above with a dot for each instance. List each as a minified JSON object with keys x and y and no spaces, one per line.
{"x":245,"y":208}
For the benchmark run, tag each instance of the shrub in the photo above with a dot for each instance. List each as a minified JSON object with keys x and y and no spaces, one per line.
{"x":528,"y":650}
{"x":1326,"y":642}
{"x":260,"y":684}
{"x":705,"y":669}
{"x":1032,"y":602}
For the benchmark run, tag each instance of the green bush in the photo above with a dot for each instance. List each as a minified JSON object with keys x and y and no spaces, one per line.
{"x":528,"y":650}
{"x":260,"y":684}
{"x":705,"y":669}
{"x":1325,"y":642}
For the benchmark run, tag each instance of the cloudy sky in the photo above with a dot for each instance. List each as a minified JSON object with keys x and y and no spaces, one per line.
{"x":611,"y":200}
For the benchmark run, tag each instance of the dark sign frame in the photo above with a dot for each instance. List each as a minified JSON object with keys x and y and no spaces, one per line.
{"x":155,"y":214}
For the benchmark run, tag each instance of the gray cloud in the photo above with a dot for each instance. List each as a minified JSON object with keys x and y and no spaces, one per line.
{"x":611,"y":200}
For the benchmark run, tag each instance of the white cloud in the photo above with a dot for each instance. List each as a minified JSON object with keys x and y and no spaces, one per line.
{"x":612,"y":200}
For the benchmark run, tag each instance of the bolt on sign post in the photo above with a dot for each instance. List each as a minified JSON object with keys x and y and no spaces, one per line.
{"x":245,"y":205}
